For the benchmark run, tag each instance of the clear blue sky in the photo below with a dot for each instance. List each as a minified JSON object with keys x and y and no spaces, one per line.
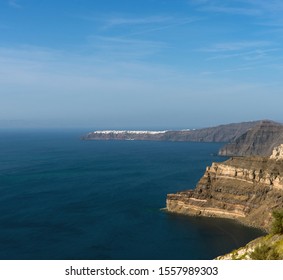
{"x":140,"y":63}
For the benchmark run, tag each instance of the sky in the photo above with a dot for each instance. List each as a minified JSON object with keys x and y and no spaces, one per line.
{"x":143,"y":64}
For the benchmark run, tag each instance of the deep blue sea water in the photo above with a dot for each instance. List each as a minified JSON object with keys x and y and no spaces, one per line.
{"x":63,"y":198}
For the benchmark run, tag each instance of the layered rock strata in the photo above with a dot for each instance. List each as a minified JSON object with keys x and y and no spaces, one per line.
{"x":246,"y":189}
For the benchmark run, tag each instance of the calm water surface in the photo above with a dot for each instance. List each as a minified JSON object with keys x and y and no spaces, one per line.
{"x":63,"y":198}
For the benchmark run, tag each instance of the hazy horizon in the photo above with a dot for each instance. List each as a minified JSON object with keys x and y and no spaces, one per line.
{"x":15,"y":126}
{"x":147,"y":64}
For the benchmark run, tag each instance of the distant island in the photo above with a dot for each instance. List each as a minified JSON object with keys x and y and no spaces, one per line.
{"x":221,"y":133}
{"x":243,"y":139}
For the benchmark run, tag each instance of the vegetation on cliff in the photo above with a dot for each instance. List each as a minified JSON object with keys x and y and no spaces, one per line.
{"x":277,"y":224}
{"x":269,"y":247}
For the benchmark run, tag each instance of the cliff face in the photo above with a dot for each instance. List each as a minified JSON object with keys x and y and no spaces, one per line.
{"x":277,"y":153}
{"x":222,"y":133}
{"x":246,"y":189}
{"x":259,"y":140}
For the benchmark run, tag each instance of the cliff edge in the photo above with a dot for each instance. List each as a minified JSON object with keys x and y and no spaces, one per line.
{"x":247,"y":189}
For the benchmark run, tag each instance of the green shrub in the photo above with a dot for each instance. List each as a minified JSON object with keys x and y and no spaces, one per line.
{"x":260,"y":252}
{"x":264,"y":252}
{"x":277,"y":224}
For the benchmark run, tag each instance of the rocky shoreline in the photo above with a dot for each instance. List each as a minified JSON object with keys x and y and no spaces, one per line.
{"x":246,"y":189}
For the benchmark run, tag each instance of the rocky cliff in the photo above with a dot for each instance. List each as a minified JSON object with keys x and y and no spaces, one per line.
{"x":221,"y":133}
{"x":247,"y":189}
{"x":258,"y":140}
{"x":277,"y":153}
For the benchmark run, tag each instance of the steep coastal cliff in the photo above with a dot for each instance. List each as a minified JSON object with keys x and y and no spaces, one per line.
{"x":258,"y":140}
{"x":247,"y":189}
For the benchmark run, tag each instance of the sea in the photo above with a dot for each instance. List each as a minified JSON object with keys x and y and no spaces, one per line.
{"x":62,"y":198}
